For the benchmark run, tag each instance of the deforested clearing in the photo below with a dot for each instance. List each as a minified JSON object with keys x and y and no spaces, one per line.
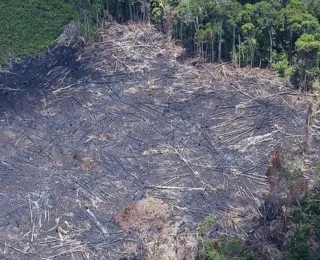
{"x":121,"y":147}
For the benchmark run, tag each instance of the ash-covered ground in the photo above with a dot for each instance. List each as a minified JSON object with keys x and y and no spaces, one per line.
{"x":122,"y":147}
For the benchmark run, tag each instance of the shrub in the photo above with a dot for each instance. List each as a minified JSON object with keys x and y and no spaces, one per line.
{"x":281,"y":64}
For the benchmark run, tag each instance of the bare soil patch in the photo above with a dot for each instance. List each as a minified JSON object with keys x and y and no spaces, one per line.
{"x":120,"y":148}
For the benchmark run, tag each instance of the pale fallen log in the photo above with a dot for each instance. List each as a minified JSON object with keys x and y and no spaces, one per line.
{"x":175,"y":188}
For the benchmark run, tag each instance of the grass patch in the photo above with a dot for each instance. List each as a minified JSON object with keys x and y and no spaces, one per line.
{"x":29,"y":26}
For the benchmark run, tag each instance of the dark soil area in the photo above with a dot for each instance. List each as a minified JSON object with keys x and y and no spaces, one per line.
{"x":93,"y":135}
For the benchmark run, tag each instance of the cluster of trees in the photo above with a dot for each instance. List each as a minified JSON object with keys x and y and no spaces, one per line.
{"x":282,"y":34}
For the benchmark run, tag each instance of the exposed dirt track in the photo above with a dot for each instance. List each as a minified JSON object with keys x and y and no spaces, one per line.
{"x":120,"y":131}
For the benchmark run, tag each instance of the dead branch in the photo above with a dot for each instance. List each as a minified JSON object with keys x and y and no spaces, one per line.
{"x":174,"y":188}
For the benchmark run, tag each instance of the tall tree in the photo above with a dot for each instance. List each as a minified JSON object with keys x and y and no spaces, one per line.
{"x":308,"y":49}
{"x":293,"y":21}
{"x":264,"y":15}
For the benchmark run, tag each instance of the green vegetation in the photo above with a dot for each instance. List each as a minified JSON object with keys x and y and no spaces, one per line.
{"x":304,"y":229}
{"x":220,"y":249}
{"x":214,"y":250}
{"x":300,"y":237}
{"x":283,"y":35}
{"x":291,"y":173}
{"x":207,"y":225}
{"x":281,"y":64}
{"x":29,"y":26}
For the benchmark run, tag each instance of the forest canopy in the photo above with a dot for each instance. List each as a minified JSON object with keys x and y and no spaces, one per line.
{"x":283,"y":35}
{"x":27,"y":27}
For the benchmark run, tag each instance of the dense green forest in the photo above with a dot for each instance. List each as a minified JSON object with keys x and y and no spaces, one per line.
{"x":283,"y":35}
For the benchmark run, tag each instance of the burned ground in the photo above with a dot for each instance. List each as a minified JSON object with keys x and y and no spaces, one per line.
{"x":94,"y":137}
